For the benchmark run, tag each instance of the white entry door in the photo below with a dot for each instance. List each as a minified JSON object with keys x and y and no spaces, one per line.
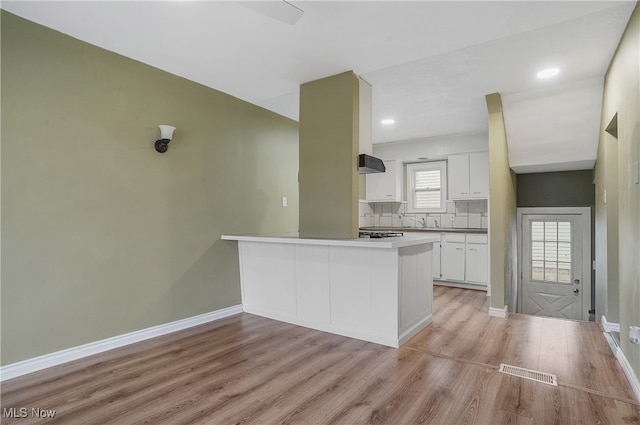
{"x":554,"y":279}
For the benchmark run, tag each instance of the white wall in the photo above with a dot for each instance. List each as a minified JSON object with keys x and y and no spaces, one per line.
{"x":432,"y":147}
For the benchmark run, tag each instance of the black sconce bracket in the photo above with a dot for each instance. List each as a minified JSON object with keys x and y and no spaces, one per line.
{"x":162,"y":145}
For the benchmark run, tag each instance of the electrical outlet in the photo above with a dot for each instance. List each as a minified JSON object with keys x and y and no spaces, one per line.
{"x":634,"y":334}
{"x":284,"y":201}
{"x":636,"y":173}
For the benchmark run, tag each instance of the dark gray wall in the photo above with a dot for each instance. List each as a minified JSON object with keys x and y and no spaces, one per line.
{"x":559,"y":189}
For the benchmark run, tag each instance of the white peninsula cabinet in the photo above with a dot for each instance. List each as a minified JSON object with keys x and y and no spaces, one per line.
{"x":468,"y":176}
{"x":436,"y":250}
{"x":377,"y":290}
{"x":435,"y":257}
{"x":387,"y":186}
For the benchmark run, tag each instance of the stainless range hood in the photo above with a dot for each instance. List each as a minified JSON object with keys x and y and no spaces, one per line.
{"x":368,"y":164}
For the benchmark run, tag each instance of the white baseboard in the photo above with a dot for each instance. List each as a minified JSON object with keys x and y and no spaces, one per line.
{"x":23,"y":367}
{"x":413,"y":330}
{"x":629,"y":373}
{"x":499,"y":312}
{"x":383,"y":338}
{"x":609,"y":326}
{"x":462,"y":285}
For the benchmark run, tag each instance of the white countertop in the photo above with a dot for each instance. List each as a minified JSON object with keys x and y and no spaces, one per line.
{"x":393,"y":242}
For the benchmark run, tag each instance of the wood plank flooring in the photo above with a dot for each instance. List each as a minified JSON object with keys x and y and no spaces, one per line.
{"x":249,"y":370}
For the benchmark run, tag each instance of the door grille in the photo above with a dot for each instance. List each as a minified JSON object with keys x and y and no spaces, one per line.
{"x":534,"y":375}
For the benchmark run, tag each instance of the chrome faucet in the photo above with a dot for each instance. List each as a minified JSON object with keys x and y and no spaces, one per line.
{"x":422,"y":221}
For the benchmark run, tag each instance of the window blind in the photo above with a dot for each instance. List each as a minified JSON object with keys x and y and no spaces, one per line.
{"x":427,"y":189}
{"x":426,"y":186}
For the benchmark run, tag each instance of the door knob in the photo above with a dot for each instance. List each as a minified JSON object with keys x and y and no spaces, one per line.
{"x":576,"y":291}
{"x":576,"y":281}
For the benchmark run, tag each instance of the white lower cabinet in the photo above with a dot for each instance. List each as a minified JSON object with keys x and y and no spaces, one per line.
{"x":477,"y":256}
{"x":453,"y":256}
{"x":464,"y":258}
{"x":461,"y":258}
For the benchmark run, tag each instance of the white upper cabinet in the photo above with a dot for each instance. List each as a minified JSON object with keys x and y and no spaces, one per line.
{"x":469,"y":176}
{"x":479,"y":175}
{"x":387,"y":186}
{"x":459,"y":176}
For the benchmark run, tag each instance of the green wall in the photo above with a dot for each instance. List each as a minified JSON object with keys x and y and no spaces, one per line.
{"x":606,"y":234}
{"x":502,"y":212}
{"x":102,"y":235}
{"x":619,"y":218}
{"x":329,"y":142}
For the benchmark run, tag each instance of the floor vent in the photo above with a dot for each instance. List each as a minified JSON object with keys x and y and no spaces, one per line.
{"x":534,"y":375}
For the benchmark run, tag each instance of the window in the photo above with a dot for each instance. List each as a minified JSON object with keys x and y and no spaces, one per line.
{"x":427,"y":186}
{"x":551,"y":251}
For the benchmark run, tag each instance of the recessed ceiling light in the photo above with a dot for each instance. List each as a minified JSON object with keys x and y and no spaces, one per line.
{"x":548,"y":73}
{"x":387,"y":121}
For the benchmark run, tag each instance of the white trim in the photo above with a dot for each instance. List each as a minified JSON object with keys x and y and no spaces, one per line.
{"x":414,"y":330}
{"x":23,"y":367}
{"x":609,"y":326}
{"x":458,"y":284}
{"x":629,"y":373}
{"x":499,"y":312}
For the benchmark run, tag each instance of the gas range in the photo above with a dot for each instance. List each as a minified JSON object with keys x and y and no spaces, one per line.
{"x":377,"y":234}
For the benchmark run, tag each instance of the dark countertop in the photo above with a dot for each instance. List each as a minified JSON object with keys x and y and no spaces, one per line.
{"x":422,"y":229}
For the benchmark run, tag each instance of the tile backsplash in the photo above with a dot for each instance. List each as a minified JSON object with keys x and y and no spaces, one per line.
{"x":459,"y":214}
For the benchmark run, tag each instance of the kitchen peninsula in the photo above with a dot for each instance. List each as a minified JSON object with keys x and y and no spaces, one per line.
{"x":377,"y":290}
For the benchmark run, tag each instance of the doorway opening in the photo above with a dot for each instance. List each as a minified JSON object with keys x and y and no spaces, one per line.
{"x":554,"y":250}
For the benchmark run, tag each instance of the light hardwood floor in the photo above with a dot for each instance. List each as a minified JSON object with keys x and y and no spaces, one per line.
{"x":247,"y":369}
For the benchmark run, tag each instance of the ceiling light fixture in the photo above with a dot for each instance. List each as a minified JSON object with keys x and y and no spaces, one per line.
{"x":548,"y":73}
{"x":387,"y":121}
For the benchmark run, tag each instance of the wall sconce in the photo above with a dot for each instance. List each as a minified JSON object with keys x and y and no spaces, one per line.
{"x":166,"y":132}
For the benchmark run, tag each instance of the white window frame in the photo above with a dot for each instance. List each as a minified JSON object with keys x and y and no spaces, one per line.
{"x":426,"y":166}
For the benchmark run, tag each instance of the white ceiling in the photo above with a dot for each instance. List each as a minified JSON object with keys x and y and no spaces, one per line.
{"x":430,"y":62}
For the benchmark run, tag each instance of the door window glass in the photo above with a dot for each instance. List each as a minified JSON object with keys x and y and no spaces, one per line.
{"x":551,"y":251}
